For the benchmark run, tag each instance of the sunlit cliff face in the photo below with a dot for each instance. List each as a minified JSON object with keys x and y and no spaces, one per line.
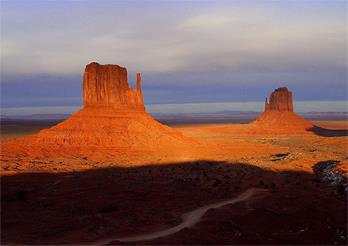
{"x":107,"y":85}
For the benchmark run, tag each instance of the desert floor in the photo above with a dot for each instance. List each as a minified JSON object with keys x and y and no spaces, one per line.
{"x":305,"y":177}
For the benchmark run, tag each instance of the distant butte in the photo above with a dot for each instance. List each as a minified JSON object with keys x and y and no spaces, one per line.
{"x":280,"y":100}
{"x":279,"y":116}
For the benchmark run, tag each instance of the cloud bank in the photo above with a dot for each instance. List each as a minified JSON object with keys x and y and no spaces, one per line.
{"x":181,"y":46}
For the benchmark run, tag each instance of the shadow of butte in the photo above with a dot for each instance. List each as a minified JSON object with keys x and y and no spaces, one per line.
{"x":77,"y":207}
{"x":323,"y":132}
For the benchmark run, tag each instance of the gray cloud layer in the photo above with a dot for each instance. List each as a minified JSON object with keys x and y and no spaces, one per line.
{"x":182,"y":46}
{"x":61,"y":39}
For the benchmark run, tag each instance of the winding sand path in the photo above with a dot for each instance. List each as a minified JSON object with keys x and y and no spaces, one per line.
{"x":189,"y":219}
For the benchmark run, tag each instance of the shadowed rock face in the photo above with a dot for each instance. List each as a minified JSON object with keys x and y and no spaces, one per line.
{"x":107,"y":85}
{"x":280,"y":100}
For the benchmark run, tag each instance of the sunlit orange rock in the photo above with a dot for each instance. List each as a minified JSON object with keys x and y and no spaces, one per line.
{"x":107,"y":85}
{"x":113,"y":122}
{"x":112,"y":129}
{"x":278,"y":117}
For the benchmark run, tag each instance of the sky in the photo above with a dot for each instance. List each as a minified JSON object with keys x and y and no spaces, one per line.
{"x":194,"y":52}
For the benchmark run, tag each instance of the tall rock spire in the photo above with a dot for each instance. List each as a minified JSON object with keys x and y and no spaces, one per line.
{"x":138,"y":82}
{"x":266,"y":104}
{"x":107,"y":85}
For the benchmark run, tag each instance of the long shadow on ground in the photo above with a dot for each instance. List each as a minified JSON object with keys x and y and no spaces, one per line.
{"x":328,"y":132}
{"x":81,"y":207}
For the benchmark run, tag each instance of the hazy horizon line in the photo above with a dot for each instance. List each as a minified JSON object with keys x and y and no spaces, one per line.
{"x":339,"y":106}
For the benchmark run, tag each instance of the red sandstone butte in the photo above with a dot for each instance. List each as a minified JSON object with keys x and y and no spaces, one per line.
{"x":113,"y":122}
{"x":278,"y":117}
{"x":280,"y":100}
{"x":107,"y":85}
